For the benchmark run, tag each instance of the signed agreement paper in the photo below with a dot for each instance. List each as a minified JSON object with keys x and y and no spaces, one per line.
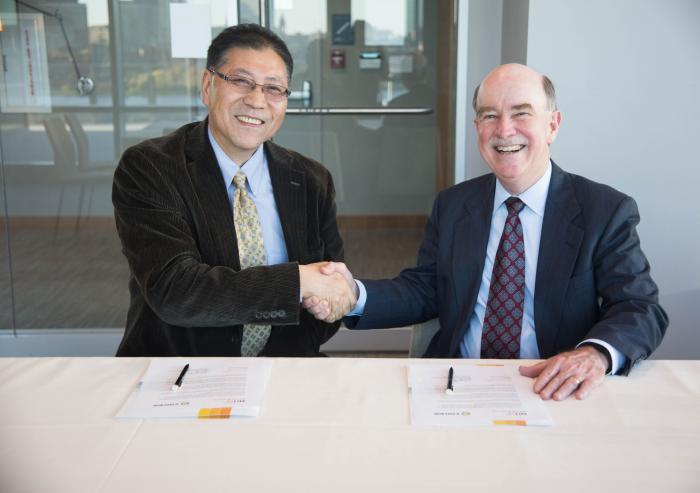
{"x":483,"y":395}
{"x":211,"y":388}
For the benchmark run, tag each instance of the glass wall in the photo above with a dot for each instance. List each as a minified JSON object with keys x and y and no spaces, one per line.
{"x":58,"y":157}
{"x":86,"y":79}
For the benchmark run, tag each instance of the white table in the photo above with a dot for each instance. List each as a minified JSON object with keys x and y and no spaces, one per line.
{"x":337,"y":425}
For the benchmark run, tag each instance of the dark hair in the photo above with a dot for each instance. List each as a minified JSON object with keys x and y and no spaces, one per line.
{"x":247,"y":36}
{"x":547,"y":86}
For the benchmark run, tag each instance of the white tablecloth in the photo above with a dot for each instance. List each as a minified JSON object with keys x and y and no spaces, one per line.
{"x":337,"y":425}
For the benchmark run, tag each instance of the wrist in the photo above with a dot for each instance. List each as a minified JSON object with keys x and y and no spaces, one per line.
{"x":602,"y":353}
{"x":303,"y":281}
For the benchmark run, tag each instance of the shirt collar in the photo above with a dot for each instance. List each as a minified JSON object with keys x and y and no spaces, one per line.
{"x":535,"y":197}
{"x":253,"y":167}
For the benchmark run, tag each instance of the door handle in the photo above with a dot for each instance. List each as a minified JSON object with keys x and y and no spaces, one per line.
{"x":425,"y":110}
{"x":304,"y":95}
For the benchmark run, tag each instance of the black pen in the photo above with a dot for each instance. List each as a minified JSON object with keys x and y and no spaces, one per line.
{"x":178,"y":382}
{"x":449,"y":388}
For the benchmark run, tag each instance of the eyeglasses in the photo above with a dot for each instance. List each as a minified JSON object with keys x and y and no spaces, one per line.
{"x":245,"y":85}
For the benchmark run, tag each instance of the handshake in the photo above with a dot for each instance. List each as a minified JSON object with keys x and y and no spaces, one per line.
{"x":328,"y":290}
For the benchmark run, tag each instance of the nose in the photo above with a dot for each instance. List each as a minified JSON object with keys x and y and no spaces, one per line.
{"x":506,"y":127}
{"x":256,"y":98}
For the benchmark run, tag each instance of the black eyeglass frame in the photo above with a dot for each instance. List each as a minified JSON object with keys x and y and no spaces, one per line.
{"x":285,"y":94}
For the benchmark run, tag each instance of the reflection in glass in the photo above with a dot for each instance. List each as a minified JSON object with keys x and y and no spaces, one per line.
{"x":66,"y":259}
{"x":384,"y":167}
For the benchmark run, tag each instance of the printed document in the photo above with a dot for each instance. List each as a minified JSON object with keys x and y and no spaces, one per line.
{"x":211,"y":388}
{"x":483,"y":395}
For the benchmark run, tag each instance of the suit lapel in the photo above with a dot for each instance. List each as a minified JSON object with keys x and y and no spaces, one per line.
{"x":212,"y":195}
{"x":559,"y":247}
{"x":469,"y":253}
{"x":289,"y":188}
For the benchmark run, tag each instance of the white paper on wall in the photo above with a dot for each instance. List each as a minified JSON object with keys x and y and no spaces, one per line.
{"x":190,"y":30}
{"x":385,"y":21}
{"x":24,"y":83}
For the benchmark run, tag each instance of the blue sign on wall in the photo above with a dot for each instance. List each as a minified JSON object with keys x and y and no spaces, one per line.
{"x":343,"y":30}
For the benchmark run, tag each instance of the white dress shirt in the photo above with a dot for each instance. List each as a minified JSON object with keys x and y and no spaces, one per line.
{"x":259,"y":186}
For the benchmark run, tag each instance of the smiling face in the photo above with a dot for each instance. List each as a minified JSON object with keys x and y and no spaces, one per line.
{"x":241,"y":121}
{"x":515,"y":126}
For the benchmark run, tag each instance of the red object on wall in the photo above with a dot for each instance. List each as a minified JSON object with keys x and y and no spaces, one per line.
{"x":337,"y":58}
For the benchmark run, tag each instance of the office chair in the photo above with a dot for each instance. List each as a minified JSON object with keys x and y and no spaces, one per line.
{"x":67,"y":162}
{"x":421,"y":335}
{"x":83,"y":145}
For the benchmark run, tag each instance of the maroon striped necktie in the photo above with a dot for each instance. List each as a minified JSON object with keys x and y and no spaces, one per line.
{"x":500,"y":336}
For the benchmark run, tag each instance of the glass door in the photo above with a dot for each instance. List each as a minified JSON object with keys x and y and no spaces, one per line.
{"x":370,"y":85}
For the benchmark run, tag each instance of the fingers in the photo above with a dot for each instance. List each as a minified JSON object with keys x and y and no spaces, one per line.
{"x":340,"y":268}
{"x":320,"y":309}
{"x":333,"y":267}
{"x":325,"y":311}
{"x":549,"y":372}
{"x":310,"y":302}
{"x":327,"y":297}
{"x":328,"y":268}
{"x":576,"y":372}
{"x":585,"y":389}
{"x":342,"y":298}
{"x":560,"y":387}
{"x":532,"y":371}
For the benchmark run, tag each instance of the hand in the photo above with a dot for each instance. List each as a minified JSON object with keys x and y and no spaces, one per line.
{"x":578,"y":372}
{"x":328,"y":292}
{"x":320,"y":308}
{"x":342,"y":269}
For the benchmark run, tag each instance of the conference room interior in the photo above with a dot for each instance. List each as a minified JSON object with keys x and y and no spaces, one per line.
{"x":107,"y":74}
{"x":62,"y":272}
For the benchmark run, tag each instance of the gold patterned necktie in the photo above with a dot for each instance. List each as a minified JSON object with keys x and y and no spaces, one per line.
{"x":251,"y":252}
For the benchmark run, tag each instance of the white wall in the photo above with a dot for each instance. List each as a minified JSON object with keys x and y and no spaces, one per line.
{"x":627,"y":73}
{"x":483,"y":54}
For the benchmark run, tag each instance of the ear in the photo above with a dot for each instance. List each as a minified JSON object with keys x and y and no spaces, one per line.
{"x":206,"y":86}
{"x":554,"y":126}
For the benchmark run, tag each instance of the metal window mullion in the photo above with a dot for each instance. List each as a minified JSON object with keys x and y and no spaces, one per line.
{"x":117,"y":70}
{"x":263,"y":13}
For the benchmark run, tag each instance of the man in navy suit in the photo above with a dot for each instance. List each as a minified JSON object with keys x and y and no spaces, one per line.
{"x":590,"y":306}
